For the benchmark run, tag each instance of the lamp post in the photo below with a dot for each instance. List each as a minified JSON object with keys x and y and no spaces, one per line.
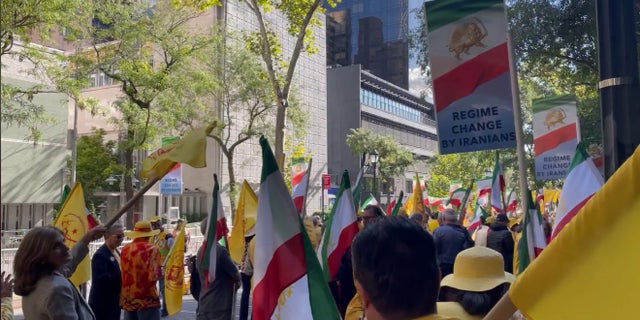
{"x":120,"y":177}
{"x":373,"y":159}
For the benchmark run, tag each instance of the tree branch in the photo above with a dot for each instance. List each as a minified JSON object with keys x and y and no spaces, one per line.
{"x":298,"y":47}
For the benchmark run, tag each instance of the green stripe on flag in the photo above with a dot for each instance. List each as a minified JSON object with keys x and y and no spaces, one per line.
{"x":552,"y":102}
{"x":269,"y":164}
{"x":443,"y":12}
{"x":398,"y":205}
{"x":323,"y":305}
{"x":579,"y":157}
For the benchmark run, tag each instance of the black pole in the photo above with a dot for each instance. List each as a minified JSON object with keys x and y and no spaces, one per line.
{"x":619,"y":89}
{"x":375,"y":184}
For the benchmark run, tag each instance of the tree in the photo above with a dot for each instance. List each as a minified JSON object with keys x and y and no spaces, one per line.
{"x":238,"y":83}
{"x":393,"y":158}
{"x":301,"y":16}
{"x":144,"y":49}
{"x":97,"y":161}
{"x":24,"y":21}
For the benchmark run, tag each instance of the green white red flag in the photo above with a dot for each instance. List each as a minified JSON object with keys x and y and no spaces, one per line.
{"x":582,"y":182}
{"x":469,"y":63}
{"x":497,"y":187}
{"x":341,"y":228}
{"x":533,"y":240}
{"x":216,"y":229}
{"x":555,"y":135}
{"x":287,"y":282}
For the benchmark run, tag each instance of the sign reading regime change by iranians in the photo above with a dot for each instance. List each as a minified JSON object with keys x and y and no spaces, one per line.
{"x":555,"y":135}
{"x":470,"y":67}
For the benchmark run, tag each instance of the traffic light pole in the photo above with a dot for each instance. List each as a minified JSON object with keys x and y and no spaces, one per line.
{"x":618,"y":85}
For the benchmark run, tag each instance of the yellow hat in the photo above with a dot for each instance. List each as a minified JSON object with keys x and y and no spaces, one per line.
{"x":477,"y":269}
{"x":154,"y":219}
{"x":142,"y":229}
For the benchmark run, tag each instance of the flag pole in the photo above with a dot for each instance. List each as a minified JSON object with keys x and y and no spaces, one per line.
{"x":132,"y":201}
{"x":517,"y":117}
{"x":303,"y":212}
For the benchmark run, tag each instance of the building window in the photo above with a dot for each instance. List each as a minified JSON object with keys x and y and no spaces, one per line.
{"x":394,"y":107}
{"x":99,"y":79}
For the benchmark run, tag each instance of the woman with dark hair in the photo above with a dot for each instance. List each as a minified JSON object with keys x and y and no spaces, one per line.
{"x":40,"y":269}
{"x":476,"y":284}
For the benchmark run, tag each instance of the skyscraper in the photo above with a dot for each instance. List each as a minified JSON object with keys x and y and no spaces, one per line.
{"x":373,"y":34}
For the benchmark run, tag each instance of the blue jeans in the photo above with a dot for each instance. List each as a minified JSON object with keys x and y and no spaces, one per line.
{"x":152,"y":313}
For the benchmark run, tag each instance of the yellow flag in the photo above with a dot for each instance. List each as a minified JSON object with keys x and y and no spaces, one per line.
{"x":590,"y":270}
{"x":72,"y":220}
{"x":415,"y":202}
{"x":244,"y":220}
{"x":174,"y":275}
{"x":191,"y":149}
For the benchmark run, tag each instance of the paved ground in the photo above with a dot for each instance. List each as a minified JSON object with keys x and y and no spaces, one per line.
{"x":188,"y":311}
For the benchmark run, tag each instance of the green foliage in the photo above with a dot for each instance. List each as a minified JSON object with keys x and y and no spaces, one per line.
{"x":238,"y":83}
{"x":555,"y":44}
{"x":97,"y":161}
{"x":301,"y":17}
{"x":23,"y":21}
{"x":393,"y":158}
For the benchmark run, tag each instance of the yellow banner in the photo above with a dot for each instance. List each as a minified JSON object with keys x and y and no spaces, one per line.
{"x":244,"y":220}
{"x":590,"y":270}
{"x":72,"y":220}
{"x":174,"y":275}
{"x":191,"y":149}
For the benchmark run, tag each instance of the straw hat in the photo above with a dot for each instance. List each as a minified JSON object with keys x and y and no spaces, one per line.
{"x":154,"y":219}
{"x":477,"y":269}
{"x":142,"y":229}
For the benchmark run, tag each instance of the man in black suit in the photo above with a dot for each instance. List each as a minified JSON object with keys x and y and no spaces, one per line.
{"x":104,"y":297}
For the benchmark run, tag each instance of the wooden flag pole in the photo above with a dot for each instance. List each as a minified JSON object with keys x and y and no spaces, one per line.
{"x":132,"y":201}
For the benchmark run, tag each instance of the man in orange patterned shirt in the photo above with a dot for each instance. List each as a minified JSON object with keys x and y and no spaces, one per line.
{"x":141,"y":270}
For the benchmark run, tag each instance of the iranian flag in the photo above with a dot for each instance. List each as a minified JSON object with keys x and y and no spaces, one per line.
{"x":287,"y":282}
{"x":483,"y":187}
{"x":533,"y":240}
{"x":583,"y":180}
{"x":300,"y":183}
{"x":456,"y":197}
{"x":370,"y":200}
{"x":216,"y":229}
{"x":497,"y":187}
{"x":512,"y":202}
{"x":480,"y":211}
{"x":340,"y":230}
{"x":469,"y":63}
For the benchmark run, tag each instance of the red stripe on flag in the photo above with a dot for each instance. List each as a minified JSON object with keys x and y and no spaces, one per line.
{"x":390,"y":207}
{"x":286,"y":266}
{"x":221,"y":228}
{"x":465,"y":78}
{"x":296,"y":179}
{"x":298,"y":202}
{"x":344,"y":242}
{"x":554,"y":138}
{"x":567,"y":217}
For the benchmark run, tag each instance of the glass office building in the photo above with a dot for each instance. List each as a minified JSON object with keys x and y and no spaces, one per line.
{"x":373,"y":33}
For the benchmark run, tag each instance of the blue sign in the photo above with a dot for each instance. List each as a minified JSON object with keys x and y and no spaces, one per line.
{"x":171,"y":183}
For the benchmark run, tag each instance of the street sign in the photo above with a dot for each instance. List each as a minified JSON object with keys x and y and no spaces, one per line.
{"x":326,"y":181}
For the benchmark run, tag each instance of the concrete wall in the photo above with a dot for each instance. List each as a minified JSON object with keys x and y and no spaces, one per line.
{"x":32,"y":173}
{"x":343,"y":105}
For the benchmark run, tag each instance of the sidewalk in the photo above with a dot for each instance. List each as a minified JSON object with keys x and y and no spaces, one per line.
{"x":188,"y":312}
